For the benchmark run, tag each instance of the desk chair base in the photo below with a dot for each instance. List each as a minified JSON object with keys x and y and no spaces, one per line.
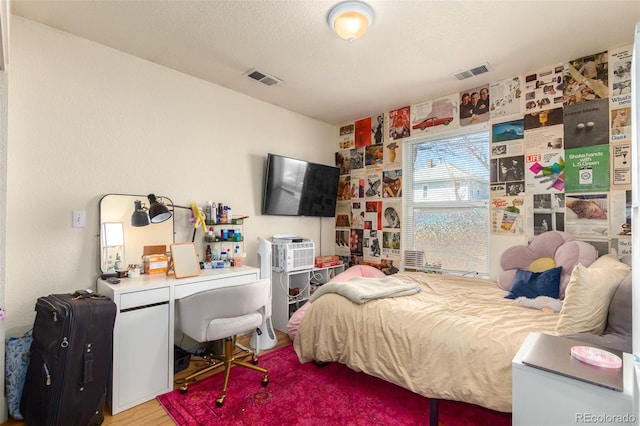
{"x":228,"y":360}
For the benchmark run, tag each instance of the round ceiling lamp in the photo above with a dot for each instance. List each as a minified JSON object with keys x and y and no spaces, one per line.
{"x":350,"y":19}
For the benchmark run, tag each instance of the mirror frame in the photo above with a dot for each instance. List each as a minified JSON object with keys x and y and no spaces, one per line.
{"x":117,"y":208}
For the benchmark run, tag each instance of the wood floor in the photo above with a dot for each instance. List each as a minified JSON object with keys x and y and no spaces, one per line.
{"x":151,"y":412}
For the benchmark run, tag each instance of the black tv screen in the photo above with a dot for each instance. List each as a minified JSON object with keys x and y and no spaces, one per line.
{"x":299,"y":188}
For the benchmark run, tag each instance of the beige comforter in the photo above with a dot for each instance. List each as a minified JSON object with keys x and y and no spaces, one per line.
{"x":454,"y":340}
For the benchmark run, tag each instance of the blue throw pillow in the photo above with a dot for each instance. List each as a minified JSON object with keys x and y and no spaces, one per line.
{"x":533,"y":284}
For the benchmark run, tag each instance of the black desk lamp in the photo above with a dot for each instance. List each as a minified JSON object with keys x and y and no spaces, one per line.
{"x":140,"y":216}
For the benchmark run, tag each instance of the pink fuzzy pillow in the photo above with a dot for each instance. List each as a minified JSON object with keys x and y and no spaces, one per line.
{"x":558,"y":245}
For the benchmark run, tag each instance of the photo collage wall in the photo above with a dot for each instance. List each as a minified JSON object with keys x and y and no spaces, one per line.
{"x":559,"y":158}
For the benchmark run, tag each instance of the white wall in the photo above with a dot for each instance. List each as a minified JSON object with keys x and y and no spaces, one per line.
{"x":3,"y":218}
{"x":86,"y":120}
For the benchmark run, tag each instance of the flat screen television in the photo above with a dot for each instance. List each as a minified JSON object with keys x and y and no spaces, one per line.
{"x":299,"y":188}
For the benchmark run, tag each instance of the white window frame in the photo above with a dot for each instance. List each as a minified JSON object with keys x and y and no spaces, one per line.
{"x":408,"y":205}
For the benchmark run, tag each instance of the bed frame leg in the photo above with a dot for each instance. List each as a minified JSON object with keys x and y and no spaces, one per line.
{"x":433,"y":412}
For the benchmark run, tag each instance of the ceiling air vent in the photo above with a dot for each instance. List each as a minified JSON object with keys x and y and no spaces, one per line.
{"x":263,"y":77}
{"x":472,"y":72}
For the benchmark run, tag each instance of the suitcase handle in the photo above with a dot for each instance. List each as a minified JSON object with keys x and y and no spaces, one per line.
{"x":87,"y":294}
{"x":87,"y":371}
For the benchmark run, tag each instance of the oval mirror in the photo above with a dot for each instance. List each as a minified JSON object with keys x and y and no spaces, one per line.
{"x":122,"y":243}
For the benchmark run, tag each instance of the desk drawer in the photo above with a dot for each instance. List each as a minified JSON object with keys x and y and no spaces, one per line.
{"x":185,"y":290}
{"x":143,"y":298}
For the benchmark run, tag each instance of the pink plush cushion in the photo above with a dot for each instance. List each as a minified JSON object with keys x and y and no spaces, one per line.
{"x":559,"y":245}
{"x":354,"y":271}
{"x":357,"y":271}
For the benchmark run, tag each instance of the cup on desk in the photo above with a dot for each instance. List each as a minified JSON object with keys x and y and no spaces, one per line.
{"x":239,"y":259}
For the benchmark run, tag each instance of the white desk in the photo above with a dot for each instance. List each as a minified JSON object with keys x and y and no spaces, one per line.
{"x":143,"y":333}
{"x":541,"y":398}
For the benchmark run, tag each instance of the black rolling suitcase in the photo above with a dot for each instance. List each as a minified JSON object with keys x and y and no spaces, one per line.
{"x":70,"y":360}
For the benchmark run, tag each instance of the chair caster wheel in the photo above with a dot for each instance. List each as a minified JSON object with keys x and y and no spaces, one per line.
{"x":254,"y":361}
{"x":220,"y":402}
{"x":265,"y":381}
{"x":184,"y":389}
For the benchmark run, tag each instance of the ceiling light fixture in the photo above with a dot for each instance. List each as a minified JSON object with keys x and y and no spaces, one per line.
{"x":350,"y":19}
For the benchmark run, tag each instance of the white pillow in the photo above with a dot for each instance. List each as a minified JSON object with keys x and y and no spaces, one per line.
{"x":588,"y":295}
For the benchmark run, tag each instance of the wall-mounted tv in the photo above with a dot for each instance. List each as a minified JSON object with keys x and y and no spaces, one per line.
{"x":299,"y":188}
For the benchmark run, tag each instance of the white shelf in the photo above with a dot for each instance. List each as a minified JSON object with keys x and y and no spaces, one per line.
{"x":284,"y":304}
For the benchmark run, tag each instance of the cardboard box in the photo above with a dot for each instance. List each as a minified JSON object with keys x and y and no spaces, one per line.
{"x":155,"y":264}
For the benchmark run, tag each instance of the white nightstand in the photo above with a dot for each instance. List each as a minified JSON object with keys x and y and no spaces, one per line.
{"x":541,"y":398}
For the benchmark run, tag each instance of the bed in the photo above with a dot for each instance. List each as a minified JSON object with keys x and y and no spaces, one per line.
{"x":454,"y":339}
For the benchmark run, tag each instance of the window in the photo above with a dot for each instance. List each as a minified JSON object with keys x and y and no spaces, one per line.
{"x":450,"y":222}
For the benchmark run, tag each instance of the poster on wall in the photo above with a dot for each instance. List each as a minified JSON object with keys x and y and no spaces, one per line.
{"x":474,"y":105}
{"x":344,"y":188}
{"x":545,"y":213}
{"x":363,"y":132}
{"x":355,"y":242}
{"x":343,"y":161}
{"x":357,"y":185}
{"x":620,"y":217}
{"x":399,"y":123}
{"x":434,"y":116}
{"x":621,"y":246}
{"x":587,"y":215}
{"x":372,"y":245}
{"x":620,"y":75}
{"x":586,"y":79}
{"x":356,"y":159}
{"x":544,"y":172}
{"x":342,"y":242}
{"x":506,"y":138}
{"x":510,"y":172}
{"x":620,"y":104}
{"x":507,"y":215}
{"x":372,"y":215}
{"x":620,"y":124}
{"x":391,"y":212}
{"x":587,"y":169}
{"x":343,"y":215}
{"x":621,"y":165}
{"x":378,"y":129}
{"x":506,"y":97}
{"x":392,"y":183}
{"x":392,"y":155}
{"x":357,"y":214}
{"x":543,"y":89}
{"x":347,"y":138}
{"x":586,"y":124}
{"x":544,"y":130}
{"x":373,"y":157}
{"x":373,"y":185}
{"x":391,"y":244}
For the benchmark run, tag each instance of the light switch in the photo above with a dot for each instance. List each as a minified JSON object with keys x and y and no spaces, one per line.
{"x":79,"y":218}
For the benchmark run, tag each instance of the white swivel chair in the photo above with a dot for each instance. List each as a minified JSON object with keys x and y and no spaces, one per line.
{"x":223,"y":313}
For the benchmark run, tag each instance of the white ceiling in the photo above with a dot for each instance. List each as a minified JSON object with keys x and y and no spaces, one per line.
{"x":408,"y":55}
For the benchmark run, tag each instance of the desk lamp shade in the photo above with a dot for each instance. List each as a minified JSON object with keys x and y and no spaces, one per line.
{"x":140,"y":216}
{"x":158,"y":212}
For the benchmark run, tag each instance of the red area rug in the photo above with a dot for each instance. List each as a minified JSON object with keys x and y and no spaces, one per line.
{"x":304,"y":394}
